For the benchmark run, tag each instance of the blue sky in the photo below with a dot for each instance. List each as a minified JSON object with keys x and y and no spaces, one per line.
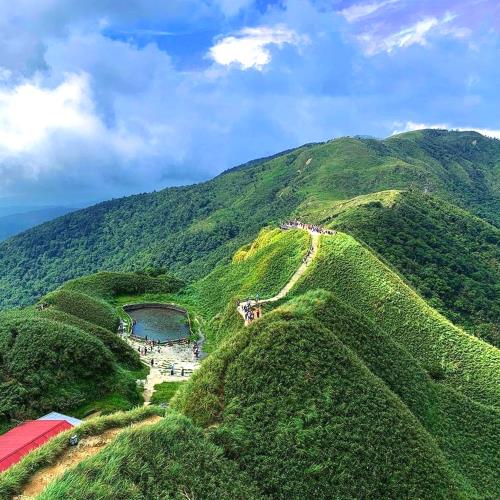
{"x":104,"y":98}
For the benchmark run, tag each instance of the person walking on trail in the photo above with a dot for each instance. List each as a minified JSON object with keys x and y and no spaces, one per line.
{"x":152,"y":362}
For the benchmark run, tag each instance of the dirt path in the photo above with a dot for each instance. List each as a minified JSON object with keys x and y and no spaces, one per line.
{"x":293,"y":280}
{"x":86,"y":448}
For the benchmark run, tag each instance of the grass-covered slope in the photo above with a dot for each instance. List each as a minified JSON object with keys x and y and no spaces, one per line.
{"x":262,"y":267}
{"x":191,"y":229}
{"x":362,"y":391}
{"x":68,"y":355}
{"x":464,"y":362}
{"x":451,"y":257}
{"x":172,"y":459}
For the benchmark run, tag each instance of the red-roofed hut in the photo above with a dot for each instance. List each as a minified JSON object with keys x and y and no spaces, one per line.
{"x":26,"y":437}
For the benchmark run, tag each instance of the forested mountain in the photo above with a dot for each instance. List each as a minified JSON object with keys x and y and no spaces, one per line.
{"x":191,"y":229}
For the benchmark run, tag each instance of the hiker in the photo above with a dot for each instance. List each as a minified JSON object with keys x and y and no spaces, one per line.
{"x":152,"y":362}
{"x":182,"y":372}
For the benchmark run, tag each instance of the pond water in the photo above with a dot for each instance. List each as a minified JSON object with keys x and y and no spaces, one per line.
{"x":160,"y":324}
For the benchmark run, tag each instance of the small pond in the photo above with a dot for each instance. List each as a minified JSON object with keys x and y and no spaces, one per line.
{"x":158,"y":323}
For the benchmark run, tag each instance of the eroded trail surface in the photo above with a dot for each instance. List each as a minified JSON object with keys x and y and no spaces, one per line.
{"x":315,"y":236}
{"x":87,"y":447}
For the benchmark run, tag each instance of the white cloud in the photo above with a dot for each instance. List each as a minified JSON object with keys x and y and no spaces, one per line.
{"x":250,"y":47}
{"x":358,"y":11}
{"x":416,"y":34}
{"x":29,"y":112}
{"x":409,"y":126}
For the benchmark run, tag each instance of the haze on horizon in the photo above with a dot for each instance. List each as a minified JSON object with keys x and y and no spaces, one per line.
{"x":99,"y":101}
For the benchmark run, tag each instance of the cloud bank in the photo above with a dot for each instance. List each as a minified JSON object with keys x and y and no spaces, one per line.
{"x":98,"y":101}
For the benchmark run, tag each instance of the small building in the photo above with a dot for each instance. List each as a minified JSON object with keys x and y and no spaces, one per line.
{"x":18,"y":442}
{"x":59,"y":416}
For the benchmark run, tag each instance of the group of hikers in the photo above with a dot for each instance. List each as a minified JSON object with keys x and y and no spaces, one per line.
{"x":251,"y":311}
{"x":296,"y":224}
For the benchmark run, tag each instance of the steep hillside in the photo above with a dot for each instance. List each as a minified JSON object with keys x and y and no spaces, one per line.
{"x":451,"y":257}
{"x":351,"y":271}
{"x":310,"y":401}
{"x":191,"y":229}
{"x":67,"y":355}
{"x":351,"y":386}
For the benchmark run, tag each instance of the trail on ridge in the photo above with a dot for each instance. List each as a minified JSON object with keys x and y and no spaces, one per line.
{"x":315,"y":237}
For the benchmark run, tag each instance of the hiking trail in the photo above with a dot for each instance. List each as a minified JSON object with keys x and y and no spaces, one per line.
{"x":315,"y":237}
{"x":72,"y":456}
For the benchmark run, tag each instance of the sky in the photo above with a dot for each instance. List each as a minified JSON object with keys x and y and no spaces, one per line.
{"x":104,"y":98}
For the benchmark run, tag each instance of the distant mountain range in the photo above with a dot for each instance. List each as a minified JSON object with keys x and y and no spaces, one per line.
{"x":15,"y":220}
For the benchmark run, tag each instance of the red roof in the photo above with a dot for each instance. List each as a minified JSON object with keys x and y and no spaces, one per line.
{"x":25,"y":437}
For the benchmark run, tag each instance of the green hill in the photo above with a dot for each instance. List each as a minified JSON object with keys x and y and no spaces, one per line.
{"x":352,"y":386}
{"x":451,"y":257}
{"x":68,"y":356}
{"x":189,"y":230}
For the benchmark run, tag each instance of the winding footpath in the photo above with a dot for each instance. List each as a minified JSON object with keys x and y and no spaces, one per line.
{"x":315,"y":237}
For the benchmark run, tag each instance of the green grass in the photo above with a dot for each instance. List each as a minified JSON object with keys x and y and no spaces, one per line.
{"x":68,"y":356}
{"x":348,"y":269}
{"x":13,"y":480}
{"x":303,"y":415}
{"x":171,"y":459}
{"x":164,"y":392}
{"x":191,"y":229}
{"x":451,"y":257}
{"x":464,"y":430}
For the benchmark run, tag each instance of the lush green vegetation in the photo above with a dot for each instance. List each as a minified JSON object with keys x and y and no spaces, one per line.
{"x":262,"y":267}
{"x":67,"y":356}
{"x":13,"y":480}
{"x":353,"y":386}
{"x":191,"y":229}
{"x":449,"y":256}
{"x":360,"y":391}
{"x":164,"y":392}
{"x":172,"y":459}
{"x":348,"y":269}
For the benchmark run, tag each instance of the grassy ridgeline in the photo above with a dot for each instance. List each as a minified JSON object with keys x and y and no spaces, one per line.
{"x":451,"y":257}
{"x":262,"y":267}
{"x":68,"y":356}
{"x":331,"y":394}
{"x":191,"y":229}
{"x":352,"y":272}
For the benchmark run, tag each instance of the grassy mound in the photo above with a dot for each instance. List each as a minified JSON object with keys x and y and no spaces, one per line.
{"x":303,"y":415}
{"x":68,"y":356}
{"x":46,"y":365}
{"x":464,"y":430}
{"x":171,"y":459}
{"x":107,"y":285}
{"x":85,"y":307}
{"x":463,"y":362}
